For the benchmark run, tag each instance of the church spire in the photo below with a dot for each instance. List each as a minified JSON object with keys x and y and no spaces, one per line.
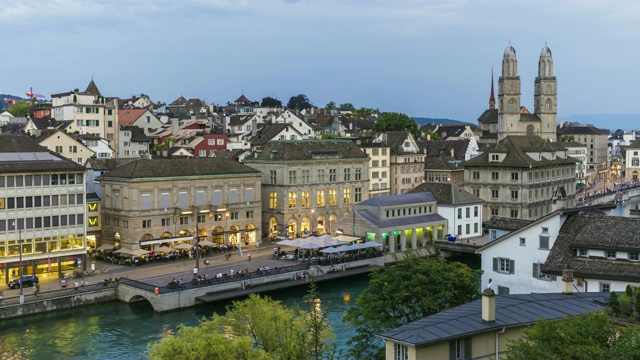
{"x":492,"y":99}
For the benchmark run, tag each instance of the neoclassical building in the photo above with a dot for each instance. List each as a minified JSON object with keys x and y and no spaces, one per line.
{"x":150,"y":202}
{"x":309,"y":184}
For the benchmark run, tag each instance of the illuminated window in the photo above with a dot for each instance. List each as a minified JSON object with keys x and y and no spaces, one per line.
{"x":320,"y":197}
{"x":346,"y":198}
{"x":304,"y":199}
{"x":273,"y":200}
{"x":292,"y":200}
{"x":333,"y":199}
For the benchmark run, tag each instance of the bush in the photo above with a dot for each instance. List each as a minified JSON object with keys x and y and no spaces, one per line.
{"x":624,"y":303}
{"x":614,"y":306}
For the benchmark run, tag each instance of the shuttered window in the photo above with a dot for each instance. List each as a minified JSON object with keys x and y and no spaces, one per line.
{"x":504,"y":265}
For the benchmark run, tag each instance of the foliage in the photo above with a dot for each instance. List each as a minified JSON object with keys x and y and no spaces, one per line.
{"x":628,"y":290}
{"x":363,"y":111}
{"x":346,"y":107}
{"x":614,"y":305}
{"x":567,"y":138}
{"x":271,"y":102}
{"x":328,"y":136}
{"x":20,"y":108}
{"x":410,"y":291}
{"x":319,"y":329}
{"x":330,"y":106}
{"x":432,"y":135}
{"x":589,"y":336}
{"x":393,"y":121}
{"x":256,"y":328}
{"x":299,"y":102}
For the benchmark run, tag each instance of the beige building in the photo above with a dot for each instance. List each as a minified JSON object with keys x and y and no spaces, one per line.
{"x":62,"y":143}
{"x":309,"y":184}
{"x":407,"y":162}
{"x":597,"y":143}
{"x":379,"y":169}
{"x":522,"y":177}
{"x":150,"y":202}
{"x":85,"y":110}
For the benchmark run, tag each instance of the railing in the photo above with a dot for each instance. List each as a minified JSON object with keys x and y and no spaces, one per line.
{"x":70,"y":289}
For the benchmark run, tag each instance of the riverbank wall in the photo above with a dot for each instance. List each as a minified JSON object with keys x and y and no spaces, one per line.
{"x":61,"y":301}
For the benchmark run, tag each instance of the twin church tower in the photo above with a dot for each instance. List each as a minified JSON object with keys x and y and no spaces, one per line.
{"x":513,"y":118}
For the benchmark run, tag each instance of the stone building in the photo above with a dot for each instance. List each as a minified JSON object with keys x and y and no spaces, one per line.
{"x":309,"y":184}
{"x":42,"y":208}
{"x":597,"y":143}
{"x":523,"y":177}
{"x":379,"y":168}
{"x":407,"y":162}
{"x":150,"y":202}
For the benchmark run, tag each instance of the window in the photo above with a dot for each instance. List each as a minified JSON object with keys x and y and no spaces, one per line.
{"x":468,"y":212}
{"x":292,"y":200}
{"x":272,"y":177}
{"x":347,"y":174}
{"x":248,"y":195}
{"x":375,"y":163}
{"x":468,"y":229}
{"x":537,"y":273}
{"x":249,"y":214}
{"x":633,"y":256}
{"x":184,"y":220}
{"x":475,"y":211}
{"x":476,"y":192}
{"x":273,"y":200}
{"x":217,"y":217}
{"x":611,"y":254}
{"x":495,"y":211}
{"x":321,"y":176}
{"x":460,"y":349}
{"x":333,"y":175}
{"x":495,"y":193}
{"x":494,"y":175}
{"x":333,"y":198}
{"x":220,"y":141}
{"x":58,"y":149}
{"x":523,"y":241}
{"x":233,"y":196}
{"x":583,"y":252}
{"x":305,"y":176}
{"x":459,"y":213}
{"x":358,"y":174}
{"x":476,"y":175}
{"x":503,"y":290}
{"x":358,"y":194}
{"x":166,"y":222}
{"x":375,"y":175}
{"x":183,"y":199}
{"x":346,"y":196}
{"x":544,"y":242}
{"x":146,"y":201}
{"x":400,"y":352}
{"x":292,"y":177}
{"x":503,"y":265}
{"x":234,"y":215}
{"x":146,"y":224}
{"x":320,"y":197}
{"x":514,"y":194}
{"x":514,"y":213}
{"x":495,"y":157}
{"x":604,"y":287}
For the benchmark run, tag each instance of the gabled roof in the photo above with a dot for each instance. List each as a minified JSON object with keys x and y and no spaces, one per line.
{"x":489,"y":116}
{"x":108,"y":164}
{"x":444,"y":147}
{"x":581,"y":130}
{"x":443,"y":163}
{"x":290,"y":150}
{"x":447,"y":193}
{"x":21,"y":154}
{"x":92,"y":88}
{"x":137,"y":134}
{"x":511,"y":311}
{"x":159,"y":168}
{"x":398,"y":221}
{"x":592,"y":231}
{"x":504,"y":223}
{"x":268,"y":131}
{"x":400,"y":199}
{"x":242,"y":100}
{"x":129,"y":116}
{"x":179,"y":101}
{"x":516,"y":148}
{"x":44,"y":123}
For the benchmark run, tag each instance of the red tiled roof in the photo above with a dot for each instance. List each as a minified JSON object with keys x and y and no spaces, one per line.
{"x":128,"y":116}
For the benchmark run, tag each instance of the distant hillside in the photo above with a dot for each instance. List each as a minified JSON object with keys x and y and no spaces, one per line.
{"x":4,"y":105}
{"x":606,"y":121}
{"x":425,"y":121}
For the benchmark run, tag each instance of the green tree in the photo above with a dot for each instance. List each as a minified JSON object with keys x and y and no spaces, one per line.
{"x":271,"y":102}
{"x":567,"y":138}
{"x":363,"y":111}
{"x":346,"y":107}
{"x":330,"y":106}
{"x":413,"y":289}
{"x":256,"y":328}
{"x":588,"y":336}
{"x":20,"y":108}
{"x":299,"y":102}
{"x":393,"y":121}
{"x":432,"y":135}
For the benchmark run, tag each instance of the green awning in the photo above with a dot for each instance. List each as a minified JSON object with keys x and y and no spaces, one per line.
{"x":580,"y":186}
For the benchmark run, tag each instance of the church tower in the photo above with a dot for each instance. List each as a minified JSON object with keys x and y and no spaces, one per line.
{"x":509,"y":95}
{"x":546,"y":95}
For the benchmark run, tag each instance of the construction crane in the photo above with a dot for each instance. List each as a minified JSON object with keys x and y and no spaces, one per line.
{"x":9,"y":102}
{"x":33,"y":95}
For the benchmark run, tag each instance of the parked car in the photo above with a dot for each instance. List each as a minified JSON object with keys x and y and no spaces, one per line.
{"x":27,"y":280}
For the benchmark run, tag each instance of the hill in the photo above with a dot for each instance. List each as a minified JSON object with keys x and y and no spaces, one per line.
{"x":3,"y":104}
{"x":425,"y":121}
{"x":606,"y":121}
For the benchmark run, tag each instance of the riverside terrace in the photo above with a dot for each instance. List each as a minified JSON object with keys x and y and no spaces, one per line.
{"x":139,"y":284}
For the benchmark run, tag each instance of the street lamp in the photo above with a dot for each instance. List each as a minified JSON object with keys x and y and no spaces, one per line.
{"x":20,"y":272}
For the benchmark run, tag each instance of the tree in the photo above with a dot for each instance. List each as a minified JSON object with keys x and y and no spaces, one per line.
{"x":363,"y":111}
{"x":271,"y":102}
{"x":20,"y":108}
{"x":330,"y":106}
{"x":588,"y":336}
{"x":431,"y":135}
{"x":567,"y":138}
{"x":299,"y":102}
{"x":256,"y":328}
{"x":393,"y":121}
{"x":346,"y":107}
{"x":413,"y":289}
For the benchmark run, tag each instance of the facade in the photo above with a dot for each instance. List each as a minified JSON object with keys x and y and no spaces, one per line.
{"x":579,"y":152}
{"x":522,"y":177}
{"x":99,"y":146}
{"x":379,"y":169}
{"x":132,"y":142}
{"x":407,"y":162}
{"x":632,"y":162}
{"x":42,"y":208}
{"x":513,"y":118}
{"x":85,"y":109}
{"x":398,"y":222}
{"x":443,"y":169}
{"x":147,"y":203}
{"x":462,"y":209}
{"x":64,"y":144}
{"x":597,"y":143}
{"x":309,"y":184}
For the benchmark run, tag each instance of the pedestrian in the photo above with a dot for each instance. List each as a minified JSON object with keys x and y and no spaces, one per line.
{"x":231,"y":272}
{"x":76,"y":285}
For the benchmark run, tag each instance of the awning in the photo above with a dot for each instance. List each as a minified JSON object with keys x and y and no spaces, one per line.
{"x":165,"y":240}
{"x":581,"y":186}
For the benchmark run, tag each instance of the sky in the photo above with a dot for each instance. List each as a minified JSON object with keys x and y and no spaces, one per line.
{"x":429,"y":58}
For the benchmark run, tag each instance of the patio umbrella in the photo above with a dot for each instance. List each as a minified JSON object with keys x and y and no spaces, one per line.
{"x":121,"y":251}
{"x":183,"y":246}
{"x":285,"y":242}
{"x":105,"y":247}
{"x":206,"y":243}
{"x":164,"y":249}
{"x":330,"y":250}
{"x":325,"y":241}
{"x":138,"y":252}
{"x":371,"y":244}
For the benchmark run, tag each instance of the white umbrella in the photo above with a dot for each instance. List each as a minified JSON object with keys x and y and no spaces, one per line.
{"x":122,"y":251}
{"x":138,"y":252}
{"x":183,"y":246}
{"x":330,"y":250}
{"x":285,"y":242}
{"x":325,"y":240}
{"x":164,"y":249}
{"x":370,"y":244}
{"x":206,"y":243}
{"x":105,"y":247}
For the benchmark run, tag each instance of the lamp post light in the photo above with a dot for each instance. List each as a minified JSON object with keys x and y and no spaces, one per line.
{"x":20,"y":272}
{"x":197,"y":240}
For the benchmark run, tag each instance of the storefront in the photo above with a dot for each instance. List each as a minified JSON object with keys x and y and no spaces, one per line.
{"x":52,"y":267}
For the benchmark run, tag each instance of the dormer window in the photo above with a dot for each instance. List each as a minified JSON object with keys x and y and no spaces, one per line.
{"x":495,"y":157}
{"x":611,"y":254}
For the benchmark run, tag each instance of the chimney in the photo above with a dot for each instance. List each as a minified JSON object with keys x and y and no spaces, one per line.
{"x":452,"y":152}
{"x":254,"y":126}
{"x":567,"y":281}
{"x":174,"y":126}
{"x":488,"y":305}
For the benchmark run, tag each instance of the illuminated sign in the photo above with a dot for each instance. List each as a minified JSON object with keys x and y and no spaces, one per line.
{"x":93,"y":206}
{"x":1,"y":203}
{"x":93,"y":221}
